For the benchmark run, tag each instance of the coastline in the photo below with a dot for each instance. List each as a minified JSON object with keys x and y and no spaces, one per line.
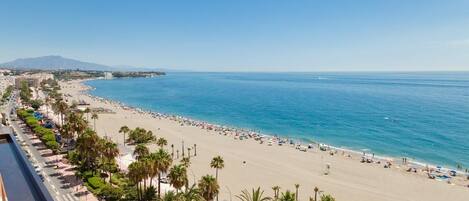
{"x":410,"y":161}
{"x":354,"y":155}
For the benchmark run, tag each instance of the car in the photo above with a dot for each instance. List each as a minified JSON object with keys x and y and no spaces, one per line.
{"x":41,"y":176}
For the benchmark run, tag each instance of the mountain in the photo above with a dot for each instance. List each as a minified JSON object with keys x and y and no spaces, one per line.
{"x":53,"y":63}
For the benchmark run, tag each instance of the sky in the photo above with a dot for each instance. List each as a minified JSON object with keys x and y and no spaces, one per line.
{"x":243,"y":35}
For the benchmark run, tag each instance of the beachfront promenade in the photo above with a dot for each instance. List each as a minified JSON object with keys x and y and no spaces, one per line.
{"x":251,"y":164}
{"x":59,"y":177}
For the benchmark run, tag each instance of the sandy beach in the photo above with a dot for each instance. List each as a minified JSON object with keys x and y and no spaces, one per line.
{"x":249,"y":164}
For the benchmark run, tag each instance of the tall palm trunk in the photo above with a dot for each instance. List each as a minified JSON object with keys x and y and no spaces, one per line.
{"x":159,"y":184}
{"x":216,"y":178}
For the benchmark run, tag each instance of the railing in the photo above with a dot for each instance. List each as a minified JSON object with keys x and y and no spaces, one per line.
{"x":3,"y":193}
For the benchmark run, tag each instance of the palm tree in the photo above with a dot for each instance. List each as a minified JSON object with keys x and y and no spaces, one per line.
{"x":209,"y":187}
{"x":76,"y":122}
{"x":276,"y":191}
{"x":48,"y":101}
{"x":110,"y":153}
{"x":162,"y":162}
{"x":161,"y":142}
{"x":62,"y":108}
{"x":178,"y":177}
{"x":287,"y":196}
{"x":124,"y":130}
{"x":94,"y":116}
{"x":87,"y":112}
{"x":296,"y":193}
{"x":136,"y":175}
{"x":186,"y":162}
{"x":66,"y":132}
{"x":256,"y":195}
{"x":141,"y":151}
{"x":191,"y":193}
{"x":217,"y":163}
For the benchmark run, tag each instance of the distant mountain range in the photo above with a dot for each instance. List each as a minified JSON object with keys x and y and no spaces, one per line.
{"x":61,"y":63}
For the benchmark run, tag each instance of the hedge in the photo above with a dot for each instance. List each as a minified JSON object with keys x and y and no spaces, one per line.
{"x":96,"y":182}
{"x":46,"y":135}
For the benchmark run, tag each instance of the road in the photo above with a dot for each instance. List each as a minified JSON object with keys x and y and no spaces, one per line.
{"x":54,"y":180}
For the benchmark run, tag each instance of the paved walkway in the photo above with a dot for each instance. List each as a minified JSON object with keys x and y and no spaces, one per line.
{"x":59,"y":176}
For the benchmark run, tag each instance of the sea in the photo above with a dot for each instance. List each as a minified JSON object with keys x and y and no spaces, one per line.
{"x":421,"y":116}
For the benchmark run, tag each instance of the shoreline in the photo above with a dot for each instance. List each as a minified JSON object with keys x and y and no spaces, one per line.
{"x":382,"y":157}
{"x":272,"y":165}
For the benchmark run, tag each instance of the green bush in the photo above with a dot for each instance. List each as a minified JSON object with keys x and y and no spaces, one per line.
{"x":48,"y":137}
{"x":53,"y":145}
{"x":41,"y":131}
{"x":96,"y":182}
{"x":31,"y":121}
{"x":110,"y":193}
{"x":88,"y":174}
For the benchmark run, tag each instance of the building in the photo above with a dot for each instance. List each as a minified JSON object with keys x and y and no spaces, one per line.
{"x":34,"y":80}
{"x":108,"y":75}
{"x":20,"y":180}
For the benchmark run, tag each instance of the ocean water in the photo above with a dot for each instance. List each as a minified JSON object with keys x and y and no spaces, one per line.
{"x":423,"y":116}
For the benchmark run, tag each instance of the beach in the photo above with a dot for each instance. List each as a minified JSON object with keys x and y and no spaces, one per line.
{"x":249,"y":164}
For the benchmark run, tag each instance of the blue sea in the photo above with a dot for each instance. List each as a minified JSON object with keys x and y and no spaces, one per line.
{"x":423,"y":116}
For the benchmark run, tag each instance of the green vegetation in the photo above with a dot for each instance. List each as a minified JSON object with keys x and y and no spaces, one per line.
{"x":140,"y":135}
{"x":136,"y":74}
{"x":25,"y":92}
{"x":46,"y":135}
{"x":6,"y":95}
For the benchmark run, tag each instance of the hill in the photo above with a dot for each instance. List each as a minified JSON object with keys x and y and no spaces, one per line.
{"x":53,"y":63}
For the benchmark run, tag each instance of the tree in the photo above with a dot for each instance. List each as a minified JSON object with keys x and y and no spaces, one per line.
{"x":76,"y":122}
{"x":141,"y":151}
{"x":140,"y":135}
{"x":178,"y":177}
{"x":136,"y":175}
{"x":162,"y":161}
{"x":186,"y":162}
{"x":287,"y":196}
{"x":191,"y":193}
{"x":276,"y":191}
{"x":296,"y":192}
{"x":110,"y":153}
{"x":61,"y":108}
{"x":36,"y":104}
{"x":161,"y":142}
{"x":110,"y":193}
{"x":94,"y":116}
{"x":66,"y":131}
{"x":217,"y":163}
{"x":209,"y":187}
{"x":255,"y":195}
{"x":124,"y":130}
{"x":327,"y":198}
{"x":87,"y":112}
{"x":89,"y":149}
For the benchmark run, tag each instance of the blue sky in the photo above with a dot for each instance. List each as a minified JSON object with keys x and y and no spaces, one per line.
{"x":243,"y":35}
